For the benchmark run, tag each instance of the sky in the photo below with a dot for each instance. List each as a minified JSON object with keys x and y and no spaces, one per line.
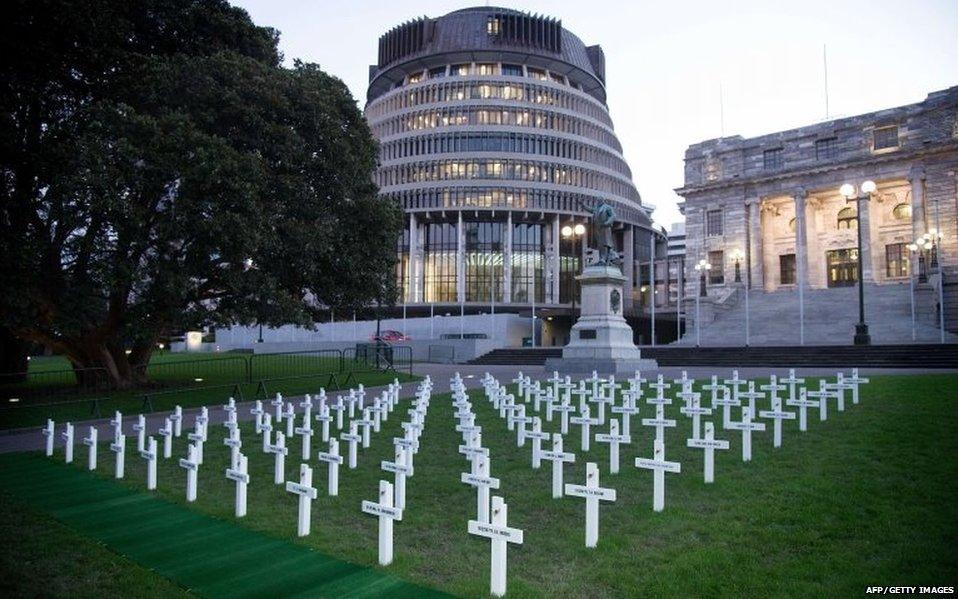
{"x":680,"y":72}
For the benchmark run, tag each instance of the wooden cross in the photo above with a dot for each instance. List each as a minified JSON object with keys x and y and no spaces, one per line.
{"x":149,"y":454}
{"x":239,"y":473}
{"x":791,"y":380}
{"x":323,"y":417}
{"x":332,"y":458}
{"x":119,"y":448}
{"x":91,"y":442}
{"x":198,"y":437}
{"x":854,"y":380}
{"x":501,"y":534}
{"x":279,"y":451}
{"x":695,"y":410}
{"x":660,"y":386}
{"x":306,"y":432}
{"x":777,"y":415}
{"x":307,"y":493}
{"x":584,"y":420}
{"x":558,"y":458}
{"x":659,"y":466}
{"x":400,"y":468}
{"x":48,"y":431}
{"x":177,"y":418}
{"x":626,"y":411}
{"x":290,"y":416}
{"x":353,"y":438}
{"x":277,"y":403}
{"x":538,"y":436}
{"x":660,"y":422}
{"x":192,"y":465}
{"x":167,"y":433}
{"x":613,"y":438}
{"x":387,"y":513}
{"x":140,"y":429}
{"x":482,"y":481}
{"x":713,"y":387}
{"x":709,"y":443}
{"x":746,"y":426}
{"x":822,"y":394}
{"x":592,"y":493}
{"x":727,"y":402}
{"x":367,"y":423}
{"x":67,"y":435}
{"x":802,"y":403}
{"x":257,"y":412}
{"x":751,"y":395}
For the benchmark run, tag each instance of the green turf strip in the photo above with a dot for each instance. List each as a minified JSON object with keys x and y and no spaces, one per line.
{"x":206,"y":555}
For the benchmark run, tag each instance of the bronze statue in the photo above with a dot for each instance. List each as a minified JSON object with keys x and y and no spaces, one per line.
{"x":603,"y":217}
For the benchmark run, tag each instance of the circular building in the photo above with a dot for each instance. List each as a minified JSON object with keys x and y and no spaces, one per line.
{"x":494,"y":138}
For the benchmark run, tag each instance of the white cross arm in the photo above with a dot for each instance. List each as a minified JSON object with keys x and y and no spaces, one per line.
{"x":300,"y":489}
{"x":743,"y":426}
{"x":470,"y":451}
{"x":184,"y":463}
{"x":237,"y":476}
{"x":658,"y":465}
{"x":377,"y":509}
{"x":557,"y":456}
{"x":777,"y":414}
{"x":491,"y":531}
{"x":607,"y":438}
{"x":587,"y":492}
{"x":329,"y":458}
{"x":658,"y":422}
{"x":396,"y":468}
{"x":707,"y":443}
{"x":479,"y":481}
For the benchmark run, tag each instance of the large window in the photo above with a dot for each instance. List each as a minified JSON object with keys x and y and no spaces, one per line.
{"x":773,"y":159}
{"x":527,"y":263}
{"x":713,"y":223}
{"x":786,"y":269}
{"x":439,"y":262}
{"x":885,"y":138}
{"x":847,"y":218}
{"x":826,"y":149}
{"x":896,"y":260}
{"x":512,"y":70}
{"x":717,"y":270}
{"x":902,"y":212}
{"x":483,"y":261}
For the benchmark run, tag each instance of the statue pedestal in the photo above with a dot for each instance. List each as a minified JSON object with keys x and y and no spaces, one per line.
{"x":601,"y":340}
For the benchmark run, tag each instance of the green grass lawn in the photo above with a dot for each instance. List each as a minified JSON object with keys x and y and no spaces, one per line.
{"x":185,"y":380}
{"x":866,"y":498}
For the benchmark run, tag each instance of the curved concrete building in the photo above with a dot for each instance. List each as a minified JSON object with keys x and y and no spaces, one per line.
{"x":494,"y":135}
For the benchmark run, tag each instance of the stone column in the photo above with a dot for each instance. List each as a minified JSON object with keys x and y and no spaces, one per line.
{"x":814,"y":257}
{"x":864,"y":220}
{"x":917,"y":179}
{"x":754,"y":257}
{"x":554,"y":261}
{"x":628,"y":265}
{"x":414,"y":267}
{"x":801,"y":239}
{"x":507,"y":261}
{"x":460,"y":261}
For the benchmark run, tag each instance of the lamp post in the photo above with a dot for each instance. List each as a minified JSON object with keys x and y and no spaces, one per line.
{"x":913,"y":248}
{"x":851,"y":195}
{"x":703,"y":266}
{"x":737,"y":255}
{"x":574,"y":233}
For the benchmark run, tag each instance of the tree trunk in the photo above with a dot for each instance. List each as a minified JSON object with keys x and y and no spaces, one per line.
{"x":13,"y":357}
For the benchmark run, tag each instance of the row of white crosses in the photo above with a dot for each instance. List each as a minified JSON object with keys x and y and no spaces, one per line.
{"x":391,"y":502}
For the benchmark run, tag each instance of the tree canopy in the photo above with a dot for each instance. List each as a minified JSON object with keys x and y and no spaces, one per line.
{"x":162,"y":170}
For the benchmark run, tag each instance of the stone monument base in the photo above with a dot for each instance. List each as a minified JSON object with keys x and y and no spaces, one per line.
{"x":601,"y":339}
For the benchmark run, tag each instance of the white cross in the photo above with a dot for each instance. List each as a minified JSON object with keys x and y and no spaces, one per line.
{"x":613,"y":438}
{"x":279,"y":450}
{"x":685,"y":382}
{"x":306,"y":432}
{"x":324,"y":417}
{"x":585,"y":421}
{"x":67,"y":435}
{"x":556,"y":380}
{"x":839,"y":387}
{"x":659,"y":467}
{"x":727,"y":402}
{"x":751,"y":395}
{"x":149,"y":454}
{"x":822,"y":394}
{"x":48,"y":431}
{"x":695,"y":411}
{"x":277,"y":404}
{"x":290,"y":416}
{"x":558,"y":458}
{"x":592,"y":493}
{"x":735,"y":381}
{"x":635,"y":384}
{"x":519,"y":418}
{"x":332,"y":458}
{"x":773,"y":387}
{"x":660,"y":422}
{"x":626,"y":411}
{"x":482,"y":481}
{"x":713,"y":387}
{"x":400,"y":468}
{"x":192,"y":465}
{"x":791,"y":380}
{"x":537,"y":436}
{"x":473,"y":448}
{"x":235,"y":443}
{"x":778,"y":415}
{"x":257,"y":412}
{"x":386,"y":512}
{"x":140,"y":429}
{"x":239,"y":473}
{"x":167,"y":433}
{"x":266,"y":429}
{"x":339,"y":407}
{"x":367,"y":423}
{"x":91,"y":443}
{"x":307,"y":493}
{"x":660,"y":386}
{"x":230,"y":408}
{"x":746,"y":426}
{"x":595,"y":379}
{"x":116,"y":423}
{"x":854,"y":380}
{"x":119,"y":448}
{"x":177,"y":418}
{"x":501,"y":534}
{"x":802,"y":403}
{"x":198,"y":437}
{"x":353,"y":438}
{"x":564,"y":409}
{"x":709,"y":443}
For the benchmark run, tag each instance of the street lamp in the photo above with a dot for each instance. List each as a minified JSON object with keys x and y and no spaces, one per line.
{"x":703,"y":267}
{"x":913,"y":248}
{"x":849,"y":193}
{"x":575,"y":233}
{"x":737,"y":255}
{"x":932,"y":237}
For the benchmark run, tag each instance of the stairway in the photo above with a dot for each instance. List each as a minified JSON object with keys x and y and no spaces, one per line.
{"x":830,"y":317}
{"x":831,"y":356}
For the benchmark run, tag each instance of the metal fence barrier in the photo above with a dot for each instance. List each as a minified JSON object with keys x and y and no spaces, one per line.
{"x":442,"y":353}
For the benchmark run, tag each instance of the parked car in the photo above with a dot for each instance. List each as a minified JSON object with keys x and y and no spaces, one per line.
{"x":390,"y":336}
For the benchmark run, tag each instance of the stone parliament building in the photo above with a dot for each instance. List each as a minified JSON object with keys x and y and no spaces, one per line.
{"x":766,"y":212}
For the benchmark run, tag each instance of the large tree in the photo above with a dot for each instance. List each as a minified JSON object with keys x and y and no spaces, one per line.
{"x":162,"y":170}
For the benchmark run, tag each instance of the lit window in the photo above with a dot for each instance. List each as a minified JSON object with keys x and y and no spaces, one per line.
{"x":902,"y":212}
{"x":717,"y":270}
{"x":485,"y":69}
{"x":786,"y":269}
{"x":536,"y":73}
{"x":493,"y":26}
{"x":415,"y":77}
{"x":512,"y":70}
{"x":437,"y":72}
{"x":896,"y":260}
{"x":847,"y":218}
{"x":460,"y":69}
